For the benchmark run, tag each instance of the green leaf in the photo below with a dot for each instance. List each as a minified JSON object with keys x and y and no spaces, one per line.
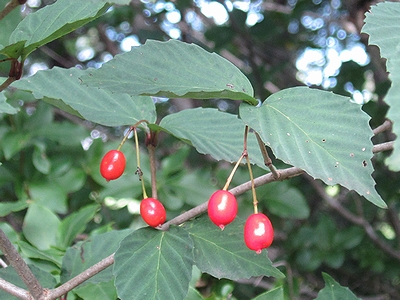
{"x":8,"y":23}
{"x":49,"y":193}
{"x":381,"y":23}
{"x":106,"y":108}
{"x":74,"y":224}
{"x":40,"y":226}
{"x":152,"y":264}
{"x":275,"y":294}
{"x":320,"y":132}
{"x":334,"y":290}
{"x":52,"y":255}
{"x":9,"y":274}
{"x":223,"y":253}
{"x":13,"y":142}
{"x":5,"y":107}
{"x":213,"y":132}
{"x":102,"y":290}
{"x":172,"y":69}
{"x":40,"y":159}
{"x":9,"y":207}
{"x":283,"y":200}
{"x":54,"y":21}
{"x":89,"y":252}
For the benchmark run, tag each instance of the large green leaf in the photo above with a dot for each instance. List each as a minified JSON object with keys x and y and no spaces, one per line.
{"x":172,"y":69}
{"x":383,"y":27}
{"x":74,"y":224}
{"x":5,"y":107}
{"x":334,"y":291}
{"x":320,"y":132}
{"x":223,"y":253}
{"x":152,"y":264}
{"x":56,"y":20}
{"x":96,"y":105}
{"x":40,"y":226}
{"x":213,"y":132}
{"x":89,"y":252}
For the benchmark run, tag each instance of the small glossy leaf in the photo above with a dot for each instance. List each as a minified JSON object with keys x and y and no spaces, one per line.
{"x":49,"y":193}
{"x":172,"y":69}
{"x":13,"y":142}
{"x":320,"y":132}
{"x":40,"y":226}
{"x":275,"y":294}
{"x":106,"y":108}
{"x":89,"y":252}
{"x":5,"y":107}
{"x":213,"y":132}
{"x":334,"y":290}
{"x":9,"y":207}
{"x":283,"y":200}
{"x":223,"y":253}
{"x":40,"y":160}
{"x":152,"y":264}
{"x":52,"y":255}
{"x":378,"y":20}
{"x":74,"y":224}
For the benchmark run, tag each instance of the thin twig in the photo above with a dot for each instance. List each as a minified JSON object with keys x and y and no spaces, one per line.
{"x":383,"y":147}
{"x":82,"y":277}
{"x":8,"y":8}
{"x":238,"y":190}
{"x":357,"y":220}
{"x":267,"y":159}
{"x":14,"y":290}
{"x":20,"y":266}
{"x":387,"y":125}
{"x":6,"y":83}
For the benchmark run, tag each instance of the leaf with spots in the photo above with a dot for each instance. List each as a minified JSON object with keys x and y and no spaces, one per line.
{"x":320,"y":132}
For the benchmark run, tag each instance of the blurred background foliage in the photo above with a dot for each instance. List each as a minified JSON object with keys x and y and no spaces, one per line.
{"x":53,"y":158}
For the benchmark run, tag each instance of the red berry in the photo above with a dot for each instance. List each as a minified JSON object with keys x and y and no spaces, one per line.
{"x":112,"y":165}
{"x":153,"y":212}
{"x":258,"y":232}
{"x":222,"y":208}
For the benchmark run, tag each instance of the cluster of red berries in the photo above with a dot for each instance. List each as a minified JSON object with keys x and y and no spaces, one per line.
{"x":258,"y":230}
{"x":112,"y":166}
{"x":222,"y":205}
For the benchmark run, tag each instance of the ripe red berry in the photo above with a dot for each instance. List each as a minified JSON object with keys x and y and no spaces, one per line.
{"x":258,"y":232}
{"x":112,"y":165}
{"x":222,"y":208}
{"x":152,"y":212}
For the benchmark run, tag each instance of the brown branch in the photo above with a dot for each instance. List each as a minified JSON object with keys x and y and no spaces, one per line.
{"x":14,"y":290}
{"x":8,"y":8}
{"x":6,"y":83}
{"x":357,"y":220}
{"x":20,"y":266}
{"x":82,"y":277}
{"x":387,"y":125}
{"x":382,"y":147}
{"x":267,"y":159}
{"x":238,"y":190}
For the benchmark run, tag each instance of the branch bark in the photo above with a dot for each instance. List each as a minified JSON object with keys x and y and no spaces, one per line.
{"x":20,"y":266}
